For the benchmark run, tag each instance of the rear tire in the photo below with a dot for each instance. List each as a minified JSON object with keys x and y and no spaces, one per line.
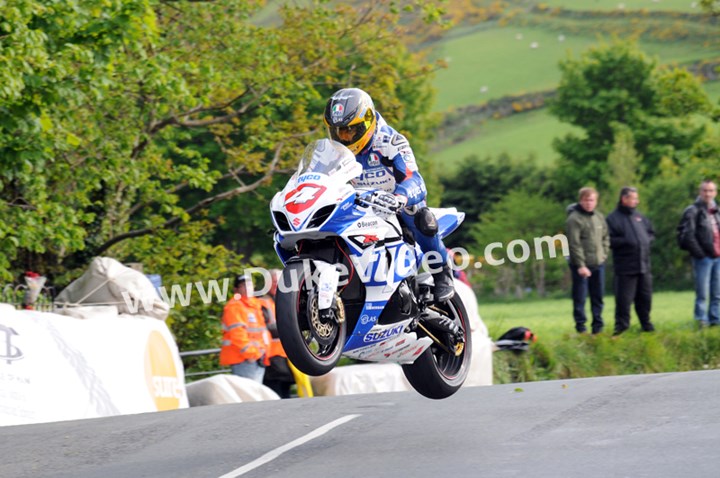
{"x":436,"y":373}
{"x":313,"y":346}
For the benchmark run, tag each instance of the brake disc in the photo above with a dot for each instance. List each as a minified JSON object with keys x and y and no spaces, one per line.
{"x":325,"y":330}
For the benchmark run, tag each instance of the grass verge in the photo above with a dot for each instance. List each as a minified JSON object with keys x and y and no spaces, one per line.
{"x":560,"y":353}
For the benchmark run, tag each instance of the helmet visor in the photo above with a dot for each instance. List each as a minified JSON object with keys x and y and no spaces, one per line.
{"x":348,"y":135}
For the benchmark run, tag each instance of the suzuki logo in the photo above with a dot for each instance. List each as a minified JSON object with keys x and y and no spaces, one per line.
{"x":11,"y":352}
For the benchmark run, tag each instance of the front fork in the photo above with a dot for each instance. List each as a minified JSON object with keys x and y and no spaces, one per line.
{"x":325,"y":278}
{"x":327,"y":288}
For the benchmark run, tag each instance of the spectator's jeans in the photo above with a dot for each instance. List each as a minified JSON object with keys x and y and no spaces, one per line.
{"x":581,"y":286}
{"x":707,"y":286}
{"x":251,"y":369}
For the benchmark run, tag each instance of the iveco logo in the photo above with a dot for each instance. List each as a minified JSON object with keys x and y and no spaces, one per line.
{"x":11,"y":352}
{"x":308,"y":177}
{"x":374,"y":174}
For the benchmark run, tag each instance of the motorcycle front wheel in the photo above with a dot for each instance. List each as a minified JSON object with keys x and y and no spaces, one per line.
{"x":313,"y":344}
{"x":438,"y":373}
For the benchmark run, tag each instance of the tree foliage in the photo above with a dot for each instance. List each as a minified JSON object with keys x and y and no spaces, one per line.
{"x":56,"y":58}
{"x":156,"y":131}
{"x":710,"y":6}
{"x":616,"y":84}
{"x":623,"y":164}
{"x":123,"y":118}
{"x":476,"y":184}
{"x":520,"y":216}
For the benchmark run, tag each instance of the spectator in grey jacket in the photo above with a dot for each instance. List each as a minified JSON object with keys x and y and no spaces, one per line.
{"x":630,"y":236}
{"x":699,"y":234}
{"x":589,"y":243}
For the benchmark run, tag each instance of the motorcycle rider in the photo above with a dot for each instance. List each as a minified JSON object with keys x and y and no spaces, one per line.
{"x":389,"y":165}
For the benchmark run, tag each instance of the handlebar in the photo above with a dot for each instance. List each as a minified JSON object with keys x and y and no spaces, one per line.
{"x":364,"y":202}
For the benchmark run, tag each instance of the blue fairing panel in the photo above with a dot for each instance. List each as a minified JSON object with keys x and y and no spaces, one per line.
{"x":283,"y":254}
{"x":449,"y":222}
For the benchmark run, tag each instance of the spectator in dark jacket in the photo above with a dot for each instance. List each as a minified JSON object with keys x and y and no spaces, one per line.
{"x":630,"y":236}
{"x":699,"y":234}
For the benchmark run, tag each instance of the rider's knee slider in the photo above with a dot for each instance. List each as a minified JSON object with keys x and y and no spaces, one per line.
{"x":426,"y":222}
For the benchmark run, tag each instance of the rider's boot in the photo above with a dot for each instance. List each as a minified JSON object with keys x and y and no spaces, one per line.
{"x":444,"y":289}
{"x":450,"y":333}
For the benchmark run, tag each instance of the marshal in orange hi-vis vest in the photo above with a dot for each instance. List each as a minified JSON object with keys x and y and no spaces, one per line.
{"x":276,"y":348}
{"x":245,"y":336}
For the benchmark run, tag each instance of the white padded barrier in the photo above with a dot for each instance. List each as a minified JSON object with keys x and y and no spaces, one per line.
{"x":54,"y":367}
{"x":220,"y":389}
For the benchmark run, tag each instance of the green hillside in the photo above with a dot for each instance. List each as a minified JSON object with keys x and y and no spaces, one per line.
{"x":692,"y":6}
{"x":269,"y":13}
{"x":501,"y":61}
{"x":713,"y":89}
{"x":520,"y":135}
{"x":491,"y":61}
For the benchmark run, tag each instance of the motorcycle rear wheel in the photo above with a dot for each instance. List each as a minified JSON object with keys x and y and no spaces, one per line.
{"x":437,"y":373}
{"x":314,"y":346}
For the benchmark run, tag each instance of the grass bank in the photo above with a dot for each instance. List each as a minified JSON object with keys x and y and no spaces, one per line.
{"x":561,"y":353}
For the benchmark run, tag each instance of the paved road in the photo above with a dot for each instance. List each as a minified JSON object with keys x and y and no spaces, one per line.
{"x":664,"y":425}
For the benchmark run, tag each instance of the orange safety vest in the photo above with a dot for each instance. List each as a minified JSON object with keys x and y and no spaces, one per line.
{"x":245,"y":336}
{"x":276,"y":348}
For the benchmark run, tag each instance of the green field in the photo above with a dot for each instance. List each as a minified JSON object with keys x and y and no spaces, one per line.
{"x":713,"y":90}
{"x":518,"y":135}
{"x":269,"y":14}
{"x":494,"y":63}
{"x":553,"y":317}
{"x":521,"y":135}
{"x":692,"y":6}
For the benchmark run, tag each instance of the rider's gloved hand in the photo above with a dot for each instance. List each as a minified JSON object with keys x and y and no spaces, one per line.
{"x":389,"y":203}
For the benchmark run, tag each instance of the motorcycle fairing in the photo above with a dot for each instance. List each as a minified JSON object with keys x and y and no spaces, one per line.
{"x":448,"y":220}
{"x":400,"y":348}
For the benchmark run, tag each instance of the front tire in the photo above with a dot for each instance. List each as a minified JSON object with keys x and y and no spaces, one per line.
{"x":312,"y":344}
{"x":436,"y":373}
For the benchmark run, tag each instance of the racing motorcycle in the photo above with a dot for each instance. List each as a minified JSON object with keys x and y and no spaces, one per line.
{"x":352,"y":285}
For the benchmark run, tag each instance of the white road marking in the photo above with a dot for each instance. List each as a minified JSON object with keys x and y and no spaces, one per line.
{"x":271,"y":455}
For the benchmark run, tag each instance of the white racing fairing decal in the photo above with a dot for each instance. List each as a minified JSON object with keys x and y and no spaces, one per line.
{"x":402,"y":348}
{"x":327,"y":285}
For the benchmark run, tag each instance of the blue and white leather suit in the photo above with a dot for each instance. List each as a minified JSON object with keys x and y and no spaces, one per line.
{"x":389,"y":164}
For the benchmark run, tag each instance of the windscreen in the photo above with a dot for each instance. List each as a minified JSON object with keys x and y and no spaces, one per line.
{"x":325,"y":156}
